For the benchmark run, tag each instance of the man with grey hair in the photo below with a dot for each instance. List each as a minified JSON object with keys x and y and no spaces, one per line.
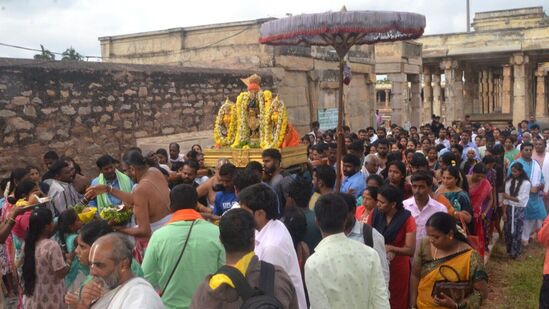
{"x":114,"y":285}
{"x":371,"y":166}
{"x":526,"y":138}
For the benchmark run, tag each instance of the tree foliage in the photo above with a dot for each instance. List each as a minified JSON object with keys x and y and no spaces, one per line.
{"x":45,"y":54}
{"x":71,"y":54}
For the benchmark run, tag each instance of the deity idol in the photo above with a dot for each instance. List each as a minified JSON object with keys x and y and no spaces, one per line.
{"x":225,"y":124}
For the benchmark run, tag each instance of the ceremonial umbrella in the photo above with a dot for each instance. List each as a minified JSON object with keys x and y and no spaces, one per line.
{"x":342,"y":30}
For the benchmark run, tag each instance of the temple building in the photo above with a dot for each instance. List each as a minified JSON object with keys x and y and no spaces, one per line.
{"x":496,"y":73}
{"x":304,"y":77}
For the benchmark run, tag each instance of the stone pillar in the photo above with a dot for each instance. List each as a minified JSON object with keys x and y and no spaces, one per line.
{"x":521,"y":96}
{"x":468,"y":90}
{"x":427,"y":95}
{"x":454,"y":90}
{"x":480,"y":107}
{"x":485,"y":98}
{"x":507,"y":89}
{"x":399,"y":85}
{"x":491,"y":104}
{"x":387,"y":98}
{"x":437,"y":94}
{"x":541,"y":107}
{"x":417,"y":114}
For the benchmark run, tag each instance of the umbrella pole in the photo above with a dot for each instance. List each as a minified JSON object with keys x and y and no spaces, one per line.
{"x":340,"y":120}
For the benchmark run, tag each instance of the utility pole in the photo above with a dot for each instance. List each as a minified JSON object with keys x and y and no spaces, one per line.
{"x":468,"y":17}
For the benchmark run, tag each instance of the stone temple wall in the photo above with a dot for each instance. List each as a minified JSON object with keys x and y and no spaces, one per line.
{"x":84,"y":110}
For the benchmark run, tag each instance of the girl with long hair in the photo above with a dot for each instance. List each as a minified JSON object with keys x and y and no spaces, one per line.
{"x":396,"y":176}
{"x":68,"y":225}
{"x":515,"y":199}
{"x":398,"y":227}
{"x":44,"y":266}
{"x":482,"y":200}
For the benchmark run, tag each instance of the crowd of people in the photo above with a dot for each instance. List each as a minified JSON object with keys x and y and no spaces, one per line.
{"x":411,"y":224}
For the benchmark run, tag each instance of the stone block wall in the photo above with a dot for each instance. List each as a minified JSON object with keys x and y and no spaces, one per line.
{"x":87,"y":109}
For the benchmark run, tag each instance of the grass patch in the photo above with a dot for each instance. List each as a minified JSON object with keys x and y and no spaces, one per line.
{"x":515,"y":283}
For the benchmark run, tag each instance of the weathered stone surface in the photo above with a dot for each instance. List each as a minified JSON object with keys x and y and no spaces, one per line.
{"x":142,"y":92}
{"x":45,"y":136}
{"x":49,"y":110}
{"x":4,"y":113}
{"x":68,"y":110}
{"x":85,"y":110}
{"x":104,"y":118}
{"x":95,"y":86}
{"x":30,"y":111}
{"x":20,"y":101}
{"x":19,"y":123}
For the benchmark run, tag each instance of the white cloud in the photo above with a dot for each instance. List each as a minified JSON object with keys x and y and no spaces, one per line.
{"x":59,"y":24}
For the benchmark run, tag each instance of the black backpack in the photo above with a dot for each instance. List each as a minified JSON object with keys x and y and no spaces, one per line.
{"x":254,"y":298}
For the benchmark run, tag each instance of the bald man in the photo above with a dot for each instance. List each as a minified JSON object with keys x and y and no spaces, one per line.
{"x":114,"y":285}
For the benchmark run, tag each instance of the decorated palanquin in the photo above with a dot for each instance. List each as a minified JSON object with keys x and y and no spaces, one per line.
{"x":256,"y":121}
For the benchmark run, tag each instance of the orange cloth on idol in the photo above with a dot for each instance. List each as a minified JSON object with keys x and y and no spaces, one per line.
{"x":291,"y":138}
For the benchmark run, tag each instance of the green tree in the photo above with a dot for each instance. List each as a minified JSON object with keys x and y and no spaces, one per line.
{"x":71,"y":54}
{"x":45,"y":54}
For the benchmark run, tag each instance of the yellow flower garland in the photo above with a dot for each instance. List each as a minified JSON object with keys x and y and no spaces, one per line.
{"x":242,"y":131}
{"x":276,"y":138}
{"x":267,"y":138}
{"x":221,"y":141}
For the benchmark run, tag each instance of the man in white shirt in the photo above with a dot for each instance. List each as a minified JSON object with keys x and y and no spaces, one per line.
{"x":354,"y":229}
{"x":111,"y":258}
{"x":342,"y":273}
{"x":273,"y":242}
{"x":421,"y":205}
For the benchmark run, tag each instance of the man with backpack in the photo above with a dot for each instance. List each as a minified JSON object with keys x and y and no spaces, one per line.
{"x":245,"y":281}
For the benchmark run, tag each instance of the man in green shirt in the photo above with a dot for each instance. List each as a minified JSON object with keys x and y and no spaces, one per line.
{"x":202,"y":254}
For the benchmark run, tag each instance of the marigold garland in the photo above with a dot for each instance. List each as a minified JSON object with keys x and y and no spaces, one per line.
{"x":267,"y":138}
{"x":276,"y":138}
{"x":220,"y":140}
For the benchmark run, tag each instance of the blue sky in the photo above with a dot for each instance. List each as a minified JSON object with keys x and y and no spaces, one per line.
{"x":58,"y":24}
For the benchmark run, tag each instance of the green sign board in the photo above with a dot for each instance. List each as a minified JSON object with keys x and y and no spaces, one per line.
{"x":327,"y":117}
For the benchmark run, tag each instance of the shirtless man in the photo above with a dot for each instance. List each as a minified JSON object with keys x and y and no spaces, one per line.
{"x":150,"y":199}
{"x":207,"y":188}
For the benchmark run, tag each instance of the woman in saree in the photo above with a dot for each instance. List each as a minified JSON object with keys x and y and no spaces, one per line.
{"x":444,"y":250}
{"x":480,"y":192}
{"x":89,"y":233}
{"x":452,"y":186}
{"x":398,"y":227}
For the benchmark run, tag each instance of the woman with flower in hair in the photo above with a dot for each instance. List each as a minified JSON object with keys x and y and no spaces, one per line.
{"x":452,"y":188}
